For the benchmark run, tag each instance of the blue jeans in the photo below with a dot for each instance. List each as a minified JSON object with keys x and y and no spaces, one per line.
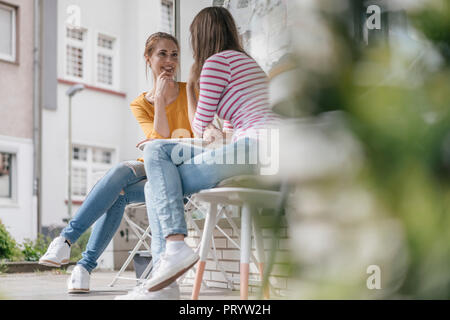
{"x":106,"y":204}
{"x":176,"y":170}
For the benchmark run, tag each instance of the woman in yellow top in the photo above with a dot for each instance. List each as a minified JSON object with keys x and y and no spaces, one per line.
{"x":162,"y":113}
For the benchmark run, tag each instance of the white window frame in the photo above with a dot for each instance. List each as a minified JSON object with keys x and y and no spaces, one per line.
{"x":13,"y":200}
{"x":12,"y":57}
{"x":83,"y":45}
{"x":91,"y":166}
{"x":114,"y":53}
{"x":172,"y":3}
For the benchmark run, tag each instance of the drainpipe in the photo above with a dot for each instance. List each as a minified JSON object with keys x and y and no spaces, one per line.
{"x":176,"y":19}
{"x":37,"y":120}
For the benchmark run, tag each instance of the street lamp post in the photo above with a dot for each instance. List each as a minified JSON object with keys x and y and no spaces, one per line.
{"x":73,"y":90}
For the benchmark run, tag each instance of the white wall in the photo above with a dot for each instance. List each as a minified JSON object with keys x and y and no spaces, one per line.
{"x":101,"y":119}
{"x":142,"y":18}
{"x":19,"y":215}
{"x":16,"y":127}
{"x":98,"y":119}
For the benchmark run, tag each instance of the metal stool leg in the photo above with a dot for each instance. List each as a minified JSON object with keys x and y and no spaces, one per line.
{"x":130,"y":257}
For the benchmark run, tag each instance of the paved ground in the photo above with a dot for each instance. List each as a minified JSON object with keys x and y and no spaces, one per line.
{"x":52,"y":286}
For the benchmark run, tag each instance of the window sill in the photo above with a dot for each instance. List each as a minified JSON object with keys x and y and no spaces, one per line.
{"x":93,"y":88}
{"x":13,"y":62}
{"x":75,"y":202}
{"x":7,"y":203}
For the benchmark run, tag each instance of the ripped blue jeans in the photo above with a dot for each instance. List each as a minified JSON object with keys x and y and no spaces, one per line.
{"x":105,"y":205}
{"x":176,"y":170}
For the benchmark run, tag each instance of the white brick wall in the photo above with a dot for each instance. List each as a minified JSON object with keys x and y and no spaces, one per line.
{"x":229,"y":257}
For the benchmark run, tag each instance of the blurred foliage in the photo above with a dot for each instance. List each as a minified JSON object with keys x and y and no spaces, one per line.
{"x":33,"y":250}
{"x":8,"y":246}
{"x":434,"y":22}
{"x":397,"y":102}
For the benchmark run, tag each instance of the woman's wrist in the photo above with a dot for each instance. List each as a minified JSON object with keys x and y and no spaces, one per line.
{"x":159,"y":102}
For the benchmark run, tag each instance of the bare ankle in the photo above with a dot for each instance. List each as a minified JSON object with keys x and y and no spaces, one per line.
{"x":175,"y":237}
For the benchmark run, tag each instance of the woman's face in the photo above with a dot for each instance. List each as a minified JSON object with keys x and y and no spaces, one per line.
{"x":164,"y":58}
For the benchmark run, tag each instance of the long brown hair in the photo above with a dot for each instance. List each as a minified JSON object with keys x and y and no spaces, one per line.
{"x":212,"y":31}
{"x":151,"y":42}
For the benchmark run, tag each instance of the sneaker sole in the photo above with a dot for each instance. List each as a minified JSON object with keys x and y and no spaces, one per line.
{"x":78,"y":291}
{"x":50,"y":263}
{"x":168,"y":281}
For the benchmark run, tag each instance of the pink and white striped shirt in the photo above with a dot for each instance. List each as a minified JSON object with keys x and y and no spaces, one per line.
{"x":235,"y":87}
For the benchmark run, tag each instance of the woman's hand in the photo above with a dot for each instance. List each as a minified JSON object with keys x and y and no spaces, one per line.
{"x":212,"y":134}
{"x":164,"y":82}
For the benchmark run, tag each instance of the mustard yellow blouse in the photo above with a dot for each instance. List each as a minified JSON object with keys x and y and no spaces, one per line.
{"x":177,"y":115}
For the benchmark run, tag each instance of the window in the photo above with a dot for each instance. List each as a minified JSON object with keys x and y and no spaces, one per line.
{"x":8,"y":33}
{"x":75,"y":53}
{"x":219,"y":3}
{"x":102,"y":156}
{"x":75,"y":34}
{"x":105,"y":60}
{"x":79,"y":181}
{"x":6,"y":160}
{"x":89,"y":164}
{"x":105,"y":42}
{"x":166,"y":24}
{"x":80,"y":153}
{"x":91,"y":58}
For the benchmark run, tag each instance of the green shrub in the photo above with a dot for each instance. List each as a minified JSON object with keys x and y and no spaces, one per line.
{"x":8,"y":246}
{"x":33,"y":250}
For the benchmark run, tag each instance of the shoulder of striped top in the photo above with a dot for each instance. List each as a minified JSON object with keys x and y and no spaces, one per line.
{"x":215,"y":68}
{"x":227,"y":54}
{"x":217,"y":56}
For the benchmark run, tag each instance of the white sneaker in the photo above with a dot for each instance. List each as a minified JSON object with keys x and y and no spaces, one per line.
{"x":171,"y":292}
{"x":171,"y":267}
{"x":58,"y":253}
{"x":79,"y":280}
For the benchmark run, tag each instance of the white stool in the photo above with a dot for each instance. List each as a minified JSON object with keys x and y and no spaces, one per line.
{"x":250,"y":200}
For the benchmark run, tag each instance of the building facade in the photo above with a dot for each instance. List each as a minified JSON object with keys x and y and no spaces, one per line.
{"x":17,"y":202}
{"x":105,"y":53}
{"x":72,"y":42}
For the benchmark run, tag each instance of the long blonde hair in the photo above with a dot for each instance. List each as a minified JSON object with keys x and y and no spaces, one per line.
{"x":213,"y":30}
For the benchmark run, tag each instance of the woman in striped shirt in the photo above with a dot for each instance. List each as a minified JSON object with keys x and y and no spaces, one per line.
{"x":232,"y":86}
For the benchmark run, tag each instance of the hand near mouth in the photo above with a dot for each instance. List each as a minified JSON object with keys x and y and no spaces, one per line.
{"x":163,"y":87}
